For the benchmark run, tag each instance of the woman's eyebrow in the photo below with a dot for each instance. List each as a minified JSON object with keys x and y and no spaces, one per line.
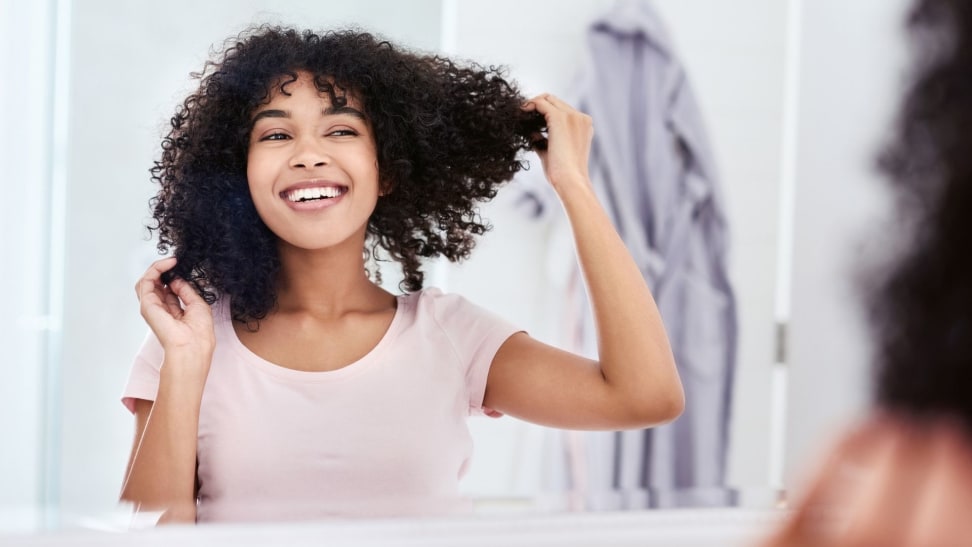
{"x":333,"y":111}
{"x":270,"y":113}
{"x":329,"y":111}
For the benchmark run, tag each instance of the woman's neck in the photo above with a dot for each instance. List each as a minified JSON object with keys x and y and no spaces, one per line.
{"x":326,"y":282}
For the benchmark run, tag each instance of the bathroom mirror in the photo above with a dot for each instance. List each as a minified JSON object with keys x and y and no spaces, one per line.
{"x":795,"y":97}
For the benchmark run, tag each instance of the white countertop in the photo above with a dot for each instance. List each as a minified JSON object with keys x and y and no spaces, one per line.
{"x":669,"y":528}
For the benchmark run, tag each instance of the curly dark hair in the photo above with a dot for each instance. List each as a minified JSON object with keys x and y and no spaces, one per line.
{"x":446,"y":136}
{"x":922,"y":311}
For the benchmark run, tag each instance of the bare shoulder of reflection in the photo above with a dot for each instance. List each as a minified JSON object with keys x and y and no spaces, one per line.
{"x":892,"y":481}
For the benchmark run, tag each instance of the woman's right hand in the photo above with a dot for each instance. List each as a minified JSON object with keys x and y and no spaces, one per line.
{"x":178,"y":316}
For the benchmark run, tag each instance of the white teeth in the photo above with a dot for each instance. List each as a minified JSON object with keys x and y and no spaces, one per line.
{"x":304,"y":194}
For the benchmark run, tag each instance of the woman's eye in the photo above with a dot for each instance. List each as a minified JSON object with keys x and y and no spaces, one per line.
{"x":343,"y":133}
{"x":275,"y":137}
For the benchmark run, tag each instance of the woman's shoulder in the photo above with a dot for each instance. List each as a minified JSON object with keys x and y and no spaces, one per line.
{"x":451,"y":311}
{"x":436,"y":301}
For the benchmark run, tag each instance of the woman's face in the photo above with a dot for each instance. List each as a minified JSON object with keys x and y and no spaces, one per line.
{"x":312,"y":167}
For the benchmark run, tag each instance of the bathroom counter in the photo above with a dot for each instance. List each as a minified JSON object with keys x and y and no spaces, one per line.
{"x":669,"y":528}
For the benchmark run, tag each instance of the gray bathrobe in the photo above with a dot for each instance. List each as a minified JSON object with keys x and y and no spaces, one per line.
{"x":653,"y":169}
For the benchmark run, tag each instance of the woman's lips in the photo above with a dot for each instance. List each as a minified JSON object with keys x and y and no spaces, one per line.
{"x":313,"y":195}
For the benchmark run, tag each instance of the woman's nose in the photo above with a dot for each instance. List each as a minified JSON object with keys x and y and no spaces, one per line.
{"x":309,"y":154}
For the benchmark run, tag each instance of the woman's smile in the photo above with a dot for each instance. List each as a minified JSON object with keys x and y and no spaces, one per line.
{"x":313,"y":195}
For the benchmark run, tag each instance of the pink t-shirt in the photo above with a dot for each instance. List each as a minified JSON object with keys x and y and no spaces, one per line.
{"x":384,"y":436}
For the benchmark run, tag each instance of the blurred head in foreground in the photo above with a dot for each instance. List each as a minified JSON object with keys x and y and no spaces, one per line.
{"x":904,"y":476}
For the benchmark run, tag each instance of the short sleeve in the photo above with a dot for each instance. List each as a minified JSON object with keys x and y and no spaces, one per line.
{"x":476,"y":335}
{"x":143,"y":379}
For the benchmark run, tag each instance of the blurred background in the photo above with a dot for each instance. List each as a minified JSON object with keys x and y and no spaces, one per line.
{"x":795,"y":97}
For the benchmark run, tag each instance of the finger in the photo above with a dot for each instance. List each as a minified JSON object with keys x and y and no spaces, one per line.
{"x":172,"y":303}
{"x":195,"y":308}
{"x":531,"y":103}
{"x":153,"y":275}
{"x":157,"y":307}
{"x":558,"y":102}
{"x":542,"y":104}
{"x":554,"y":101}
{"x":147,"y":286}
{"x":185,"y":291}
{"x":558,"y":113}
{"x":160,"y":266}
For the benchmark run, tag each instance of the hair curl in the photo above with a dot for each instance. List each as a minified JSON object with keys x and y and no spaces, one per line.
{"x":922,"y":311}
{"x":446,"y":135}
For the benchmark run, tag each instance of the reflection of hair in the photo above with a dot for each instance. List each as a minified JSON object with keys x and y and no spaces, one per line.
{"x":922,"y":311}
{"x":446,"y":137}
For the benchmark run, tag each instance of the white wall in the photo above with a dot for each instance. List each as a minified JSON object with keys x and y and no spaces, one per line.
{"x":851,"y":58}
{"x":25,"y":163}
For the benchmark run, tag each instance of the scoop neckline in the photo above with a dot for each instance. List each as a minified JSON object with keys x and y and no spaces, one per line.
{"x":285,"y":373}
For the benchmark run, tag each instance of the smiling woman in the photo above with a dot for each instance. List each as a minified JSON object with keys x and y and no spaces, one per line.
{"x":301,"y":349}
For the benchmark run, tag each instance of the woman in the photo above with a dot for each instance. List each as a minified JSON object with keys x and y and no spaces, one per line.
{"x":281,"y":381}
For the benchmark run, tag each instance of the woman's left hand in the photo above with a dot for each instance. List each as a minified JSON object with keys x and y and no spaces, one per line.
{"x":569,"y":134}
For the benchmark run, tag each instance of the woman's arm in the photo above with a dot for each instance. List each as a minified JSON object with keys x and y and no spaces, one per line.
{"x":634,"y":383}
{"x":162,"y":468}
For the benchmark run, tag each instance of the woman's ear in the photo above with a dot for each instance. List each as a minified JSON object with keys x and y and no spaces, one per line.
{"x":385,"y":187}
